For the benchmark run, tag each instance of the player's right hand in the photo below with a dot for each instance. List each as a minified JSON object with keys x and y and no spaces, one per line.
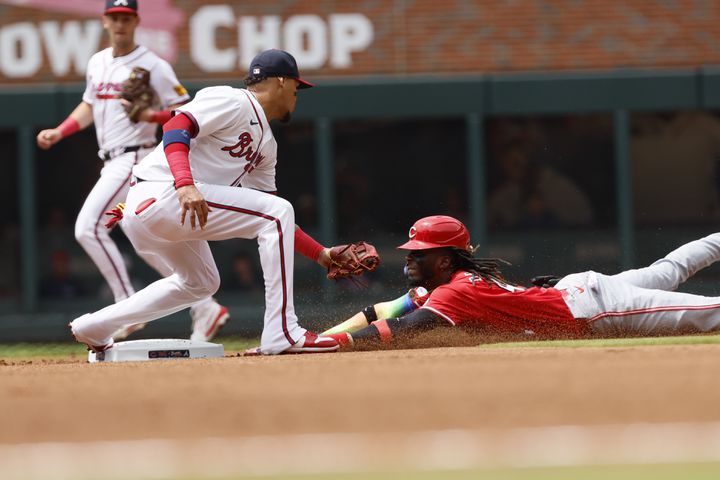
{"x":192,"y":202}
{"x":49,"y":137}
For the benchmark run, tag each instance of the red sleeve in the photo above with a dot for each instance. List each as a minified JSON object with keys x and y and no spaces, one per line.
{"x":177,"y":153}
{"x":181,"y":122}
{"x":161,"y":116}
{"x":306,"y":245}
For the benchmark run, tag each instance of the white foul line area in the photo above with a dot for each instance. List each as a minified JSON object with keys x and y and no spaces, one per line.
{"x":555,"y":446}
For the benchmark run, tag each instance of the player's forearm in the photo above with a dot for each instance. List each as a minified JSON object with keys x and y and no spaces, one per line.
{"x":383,"y":310}
{"x":78,"y":119}
{"x":160,"y":117}
{"x":308,"y":247}
{"x":388,"y":330}
{"x":83,"y":115}
{"x":176,"y":143}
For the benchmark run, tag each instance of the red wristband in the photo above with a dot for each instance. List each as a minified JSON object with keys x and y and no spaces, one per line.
{"x":161,"y":116}
{"x":68,"y":127}
{"x":384,"y":329}
{"x":307,"y":246}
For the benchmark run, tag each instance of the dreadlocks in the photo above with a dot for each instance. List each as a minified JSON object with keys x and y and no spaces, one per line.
{"x":486,"y":268}
{"x":253,"y":79}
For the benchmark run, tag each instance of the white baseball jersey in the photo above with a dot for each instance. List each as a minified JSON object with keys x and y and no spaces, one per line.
{"x":105,"y":75}
{"x":234,"y":144}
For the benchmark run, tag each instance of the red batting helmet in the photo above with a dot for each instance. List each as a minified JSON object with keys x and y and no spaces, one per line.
{"x":438,"y":231}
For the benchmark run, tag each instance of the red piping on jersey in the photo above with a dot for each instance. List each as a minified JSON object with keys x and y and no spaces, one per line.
{"x":262,"y":129}
{"x":282,"y":258}
{"x":107,"y":96}
{"x":669,"y":308}
{"x":97,"y":237}
{"x":236,"y":182}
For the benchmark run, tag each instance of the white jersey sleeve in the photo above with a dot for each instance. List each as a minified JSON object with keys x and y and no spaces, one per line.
{"x":89,"y":93}
{"x":213,"y":109}
{"x":165,"y":83}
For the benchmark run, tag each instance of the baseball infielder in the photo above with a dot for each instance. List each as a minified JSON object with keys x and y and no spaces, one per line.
{"x":122,"y":145}
{"x":469,"y":291}
{"x":217,"y":167}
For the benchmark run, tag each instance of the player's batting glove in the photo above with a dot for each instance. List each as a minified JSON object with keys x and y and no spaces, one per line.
{"x":352,"y":259}
{"x":419,"y":296}
{"x":138,"y":93}
{"x":116,"y":214}
{"x":545,"y":281}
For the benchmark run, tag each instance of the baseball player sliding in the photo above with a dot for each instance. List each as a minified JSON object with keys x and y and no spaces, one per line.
{"x":468,"y":291}
{"x":125,"y":136}
{"x":213,"y":178}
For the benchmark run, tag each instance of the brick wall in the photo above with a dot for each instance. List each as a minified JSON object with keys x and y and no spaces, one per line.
{"x":437,"y":37}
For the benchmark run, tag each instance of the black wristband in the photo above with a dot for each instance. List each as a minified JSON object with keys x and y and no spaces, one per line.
{"x":369,"y":313}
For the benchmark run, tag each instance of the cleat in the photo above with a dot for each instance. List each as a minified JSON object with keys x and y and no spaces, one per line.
{"x":208,"y":321}
{"x":309,"y":343}
{"x":312,"y":343}
{"x":94,"y":349}
{"x":125,"y":332}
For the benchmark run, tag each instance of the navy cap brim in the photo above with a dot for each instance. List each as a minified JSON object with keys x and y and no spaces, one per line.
{"x":120,"y":10}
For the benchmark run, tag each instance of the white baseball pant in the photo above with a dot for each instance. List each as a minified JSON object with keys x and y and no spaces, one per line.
{"x":152,"y":223}
{"x":111,"y":188}
{"x":90,"y":232}
{"x":642,"y":301}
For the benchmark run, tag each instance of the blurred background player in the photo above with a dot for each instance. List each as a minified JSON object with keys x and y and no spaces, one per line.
{"x":471,"y":292}
{"x":228,"y":193}
{"x":123,"y":143}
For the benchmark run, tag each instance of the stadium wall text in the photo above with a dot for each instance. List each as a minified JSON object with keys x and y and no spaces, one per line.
{"x":51,"y":41}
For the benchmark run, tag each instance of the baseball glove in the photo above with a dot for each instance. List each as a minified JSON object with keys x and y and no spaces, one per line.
{"x":137,"y":91}
{"x":352,"y":259}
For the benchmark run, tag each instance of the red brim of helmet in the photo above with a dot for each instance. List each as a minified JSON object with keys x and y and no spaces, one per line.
{"x":304,"y":83}
{"x":419,"y":245}
{"x":120,"y":10}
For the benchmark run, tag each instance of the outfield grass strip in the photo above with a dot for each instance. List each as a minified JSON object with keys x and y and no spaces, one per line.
{"x":612,"y":342}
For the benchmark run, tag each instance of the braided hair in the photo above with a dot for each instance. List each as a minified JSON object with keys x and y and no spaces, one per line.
{"x":253,"y":79}
{"x":486,"y":268}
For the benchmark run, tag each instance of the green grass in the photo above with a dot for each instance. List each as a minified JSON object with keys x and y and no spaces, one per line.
{"x":237,"y":344}
{"x":710,"y":471}
{"x":612,"y":342}
{"x":69,"y":350}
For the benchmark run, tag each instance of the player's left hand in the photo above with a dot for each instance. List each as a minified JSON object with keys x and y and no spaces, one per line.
{"x":192,"y":202}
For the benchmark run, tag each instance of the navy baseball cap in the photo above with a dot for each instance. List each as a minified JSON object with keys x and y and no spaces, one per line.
{"x":276,"y":63}
{"x":121,"y":6}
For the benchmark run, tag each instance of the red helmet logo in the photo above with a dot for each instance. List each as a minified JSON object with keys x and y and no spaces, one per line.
{"x":438,"y":231}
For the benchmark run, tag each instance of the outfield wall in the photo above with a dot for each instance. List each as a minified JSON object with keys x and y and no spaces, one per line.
{"x":342,"y":116}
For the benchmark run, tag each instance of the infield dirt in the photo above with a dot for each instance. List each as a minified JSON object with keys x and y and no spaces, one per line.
{"x":367,"y":392}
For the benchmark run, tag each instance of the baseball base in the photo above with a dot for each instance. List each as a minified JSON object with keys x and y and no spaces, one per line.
{"x":157,"y":349}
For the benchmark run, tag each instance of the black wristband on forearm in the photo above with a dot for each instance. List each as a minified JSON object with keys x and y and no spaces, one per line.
{"x":369,"y":313}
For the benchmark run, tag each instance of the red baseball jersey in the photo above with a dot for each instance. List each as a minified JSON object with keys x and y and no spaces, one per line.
{"x":470,"y":300}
